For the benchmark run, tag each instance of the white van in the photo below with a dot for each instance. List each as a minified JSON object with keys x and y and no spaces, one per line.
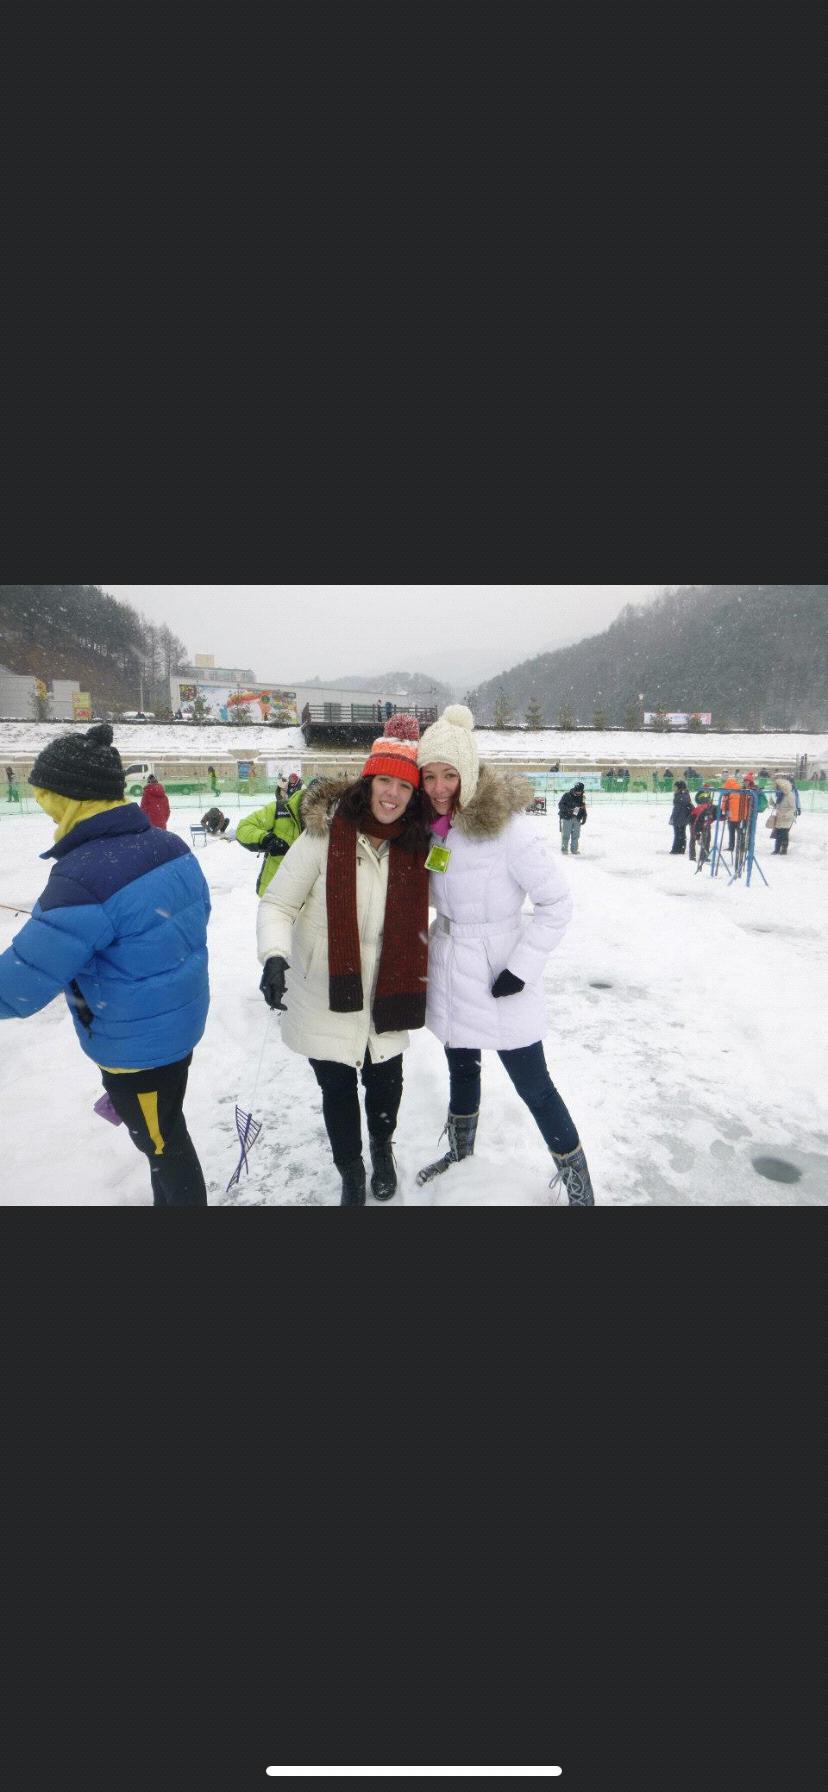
{"x":136,"y":775}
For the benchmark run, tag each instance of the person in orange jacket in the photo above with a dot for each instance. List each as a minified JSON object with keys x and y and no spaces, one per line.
{"x":731,"y":808}
{"x":155,"y":802}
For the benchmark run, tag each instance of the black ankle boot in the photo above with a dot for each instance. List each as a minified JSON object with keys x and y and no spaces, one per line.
{"x":353,"y":1183}
{"x":462,"y":1130}
{"x":384,"y":1179}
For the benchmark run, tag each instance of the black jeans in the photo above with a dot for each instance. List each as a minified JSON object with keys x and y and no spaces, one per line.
{"x":151,"y":1102}
{"x":780,"y":839}
{"x":340,"y":1102}
{"x":527,"y":1068}
{"x":679,"y":837}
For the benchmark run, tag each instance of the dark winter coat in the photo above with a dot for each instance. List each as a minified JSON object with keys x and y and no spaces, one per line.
{"x":156,"y":804}
{"x":682,"y":809}
{"x":121,"y":931}
{"x":572,"y":807}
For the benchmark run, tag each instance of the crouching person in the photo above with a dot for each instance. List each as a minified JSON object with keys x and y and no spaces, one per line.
{"x":121,"y":931}
{"x":347,"y":920}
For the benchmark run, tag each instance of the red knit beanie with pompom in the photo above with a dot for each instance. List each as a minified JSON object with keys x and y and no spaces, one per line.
{"x":394,"y":755}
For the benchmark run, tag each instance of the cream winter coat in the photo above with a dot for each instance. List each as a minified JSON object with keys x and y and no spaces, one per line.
{"x":784,"y":815}
{"x":293,"y":924}
{"x":498,"y":857}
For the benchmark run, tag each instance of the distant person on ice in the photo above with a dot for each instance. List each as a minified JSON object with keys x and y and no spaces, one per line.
{"x":572,"y":813}
{"x":347,"y":920}
{"x":702,"y":816}
{"x":680,"y":815}
{"x":121,"y":931}
{"x":272,"y":830}
{"x":216,"y":822}
{"x":486,"y":957}
{"x":155,"y":802}
{"x":783,"y":815}
{"x":731,"y":809}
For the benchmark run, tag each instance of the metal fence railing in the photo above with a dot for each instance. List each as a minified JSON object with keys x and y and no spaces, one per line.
{"x":250,"y":793}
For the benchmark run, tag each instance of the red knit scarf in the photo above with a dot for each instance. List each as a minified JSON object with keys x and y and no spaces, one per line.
{"x":400,"y":999}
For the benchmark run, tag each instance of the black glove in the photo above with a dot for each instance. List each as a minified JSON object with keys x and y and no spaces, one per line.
{"x":582,"y":815}
{"x":272,"y":984}
{"x":271,"y":843}
{"x":507,"y":985}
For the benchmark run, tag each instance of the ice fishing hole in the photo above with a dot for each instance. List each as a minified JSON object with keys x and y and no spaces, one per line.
{"x":777,"y":1169}
{"x":595,"y":984}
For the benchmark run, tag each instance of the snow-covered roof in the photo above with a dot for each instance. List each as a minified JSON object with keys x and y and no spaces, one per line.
{"x":573,"y":747}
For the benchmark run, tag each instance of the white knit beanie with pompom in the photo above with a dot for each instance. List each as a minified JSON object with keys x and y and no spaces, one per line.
{"x":450,"y":741}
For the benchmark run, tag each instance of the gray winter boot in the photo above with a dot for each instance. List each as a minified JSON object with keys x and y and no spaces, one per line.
{"x":353,"y":1183}
{"x":573,"y":1175}
{"x":384,"y":1178}
{"x":461,"y":1129}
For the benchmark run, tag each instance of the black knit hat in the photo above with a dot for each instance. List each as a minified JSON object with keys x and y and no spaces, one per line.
{"x":84,"y":766}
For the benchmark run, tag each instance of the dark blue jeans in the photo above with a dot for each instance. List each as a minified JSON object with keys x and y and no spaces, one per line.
{"x":527,"y":1068}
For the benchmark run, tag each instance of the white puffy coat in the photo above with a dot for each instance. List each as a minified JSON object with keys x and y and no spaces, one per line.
{"x":498,"y":858}
{"x":293,"y":924}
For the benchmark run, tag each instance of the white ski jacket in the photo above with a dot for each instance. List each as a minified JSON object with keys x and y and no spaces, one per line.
{"x":498,"y":858}
{"x":292,"y":923}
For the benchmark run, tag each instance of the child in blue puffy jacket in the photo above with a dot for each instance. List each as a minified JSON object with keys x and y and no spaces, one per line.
{"x":121,"y":931}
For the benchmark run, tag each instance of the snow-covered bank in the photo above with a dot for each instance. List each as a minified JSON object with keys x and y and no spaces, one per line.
{"x":580,"y":747}
{"x":685,"y":1026}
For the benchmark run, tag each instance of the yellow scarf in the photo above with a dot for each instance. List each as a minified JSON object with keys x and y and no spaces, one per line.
{"x":67,"y":811}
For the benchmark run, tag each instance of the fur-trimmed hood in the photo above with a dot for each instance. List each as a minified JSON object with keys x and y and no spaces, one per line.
{"x":499,"y":796}
{"x":318,"y":803}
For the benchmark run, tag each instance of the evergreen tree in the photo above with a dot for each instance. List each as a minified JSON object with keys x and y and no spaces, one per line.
{"x":565,"y":717}
{"x":503,"y":711}
{"x":599,"y":720}
{"x":534,"y":714}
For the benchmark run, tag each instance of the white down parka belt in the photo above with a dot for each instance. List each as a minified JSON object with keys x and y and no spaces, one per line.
{"x":292,"y":923}
{"x":499,"y":856}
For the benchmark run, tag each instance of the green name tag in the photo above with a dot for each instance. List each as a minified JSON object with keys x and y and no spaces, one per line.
{"x":438,"y":858}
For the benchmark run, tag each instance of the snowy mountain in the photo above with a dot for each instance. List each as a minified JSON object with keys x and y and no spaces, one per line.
{"x":754,"y":655}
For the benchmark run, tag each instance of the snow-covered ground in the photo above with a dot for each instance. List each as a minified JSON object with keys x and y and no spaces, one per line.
{"x":687,"y":1026}
{"x":573,"y":747}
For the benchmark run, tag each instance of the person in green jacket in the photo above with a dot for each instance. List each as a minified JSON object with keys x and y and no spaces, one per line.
{"x":272,"y":830}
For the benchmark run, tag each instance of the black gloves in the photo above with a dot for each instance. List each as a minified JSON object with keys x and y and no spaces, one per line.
{"x":582,"y":815}
{"x":507,"y":985}
{"x":272,"y":984}
{"x":272,"y":844}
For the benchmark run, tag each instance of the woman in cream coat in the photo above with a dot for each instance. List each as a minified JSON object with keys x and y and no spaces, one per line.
{"x":346,"y":919}
{"x":486,"y":956}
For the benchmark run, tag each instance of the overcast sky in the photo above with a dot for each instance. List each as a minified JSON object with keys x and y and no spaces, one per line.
{"x":459,"y":633}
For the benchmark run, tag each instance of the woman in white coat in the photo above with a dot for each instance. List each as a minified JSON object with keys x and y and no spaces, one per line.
{"x":347,"y":917}
{"x":486,"y":957}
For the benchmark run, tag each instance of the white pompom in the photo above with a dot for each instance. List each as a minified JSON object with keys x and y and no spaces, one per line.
{"x":458,"y":715}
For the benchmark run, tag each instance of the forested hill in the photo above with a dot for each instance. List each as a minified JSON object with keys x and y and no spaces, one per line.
{"x":79,"y":631}
{"x":753,"y":654}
